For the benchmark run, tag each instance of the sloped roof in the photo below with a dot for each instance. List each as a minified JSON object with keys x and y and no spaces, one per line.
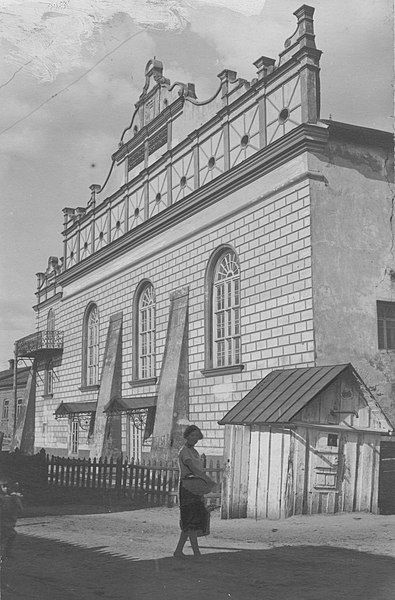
{"x":7,"y":377}
{"x":130,"y":404}
{"x":281,"y":395}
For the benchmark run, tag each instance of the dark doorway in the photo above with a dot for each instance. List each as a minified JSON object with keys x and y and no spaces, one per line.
{"x":387,"y":478}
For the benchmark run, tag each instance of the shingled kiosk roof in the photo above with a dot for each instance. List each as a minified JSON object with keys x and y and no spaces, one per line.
{"x":70,"y":408}
{"x":282,"y":394}
{"x":130,"y":404}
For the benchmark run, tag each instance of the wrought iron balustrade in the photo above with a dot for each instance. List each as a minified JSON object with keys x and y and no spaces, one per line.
{"x":40,"y":342}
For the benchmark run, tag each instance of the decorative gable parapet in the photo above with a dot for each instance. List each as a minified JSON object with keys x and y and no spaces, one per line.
{"x":176,"y":144}
{"x":47,"y":281}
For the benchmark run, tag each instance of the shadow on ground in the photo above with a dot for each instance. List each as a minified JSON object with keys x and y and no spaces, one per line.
{"x":45,"y":569}
{"x":69,"y":501}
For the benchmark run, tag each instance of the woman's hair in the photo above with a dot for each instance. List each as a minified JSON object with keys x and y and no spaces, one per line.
{"x":190,"y":429}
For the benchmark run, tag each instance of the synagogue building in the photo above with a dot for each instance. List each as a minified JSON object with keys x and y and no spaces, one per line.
{"x":235,"y":238}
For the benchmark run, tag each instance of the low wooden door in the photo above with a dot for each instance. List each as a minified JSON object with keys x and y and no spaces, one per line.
{"x":322,"y":475}
{"x":386,"y":499}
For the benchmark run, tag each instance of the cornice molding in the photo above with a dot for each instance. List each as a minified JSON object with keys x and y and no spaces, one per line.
{"x":47,"y":302}
{"x":301,"y":139}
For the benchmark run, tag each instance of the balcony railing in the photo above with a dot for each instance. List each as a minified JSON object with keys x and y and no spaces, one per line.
{"x":41,"y":342}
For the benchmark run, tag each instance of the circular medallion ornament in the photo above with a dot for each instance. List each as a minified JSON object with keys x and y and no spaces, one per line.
{"x":211,"y":162}
{"x":283,"y":115}
{"x":244,"y":141}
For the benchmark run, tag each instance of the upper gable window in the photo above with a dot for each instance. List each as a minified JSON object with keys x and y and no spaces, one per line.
{"x":386,"y":325}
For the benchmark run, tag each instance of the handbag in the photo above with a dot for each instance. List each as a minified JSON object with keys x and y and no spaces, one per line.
{"x":198,"y":485}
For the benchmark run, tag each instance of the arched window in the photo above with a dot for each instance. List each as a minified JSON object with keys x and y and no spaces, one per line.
{"x":19,"y":408}
{"x":144,"y":334}
{"x":49,"y":379}
{"x":223,"y":342}
{"x":90,"y":347}
{"x":50,"y":328}
{"x":51,"y":320}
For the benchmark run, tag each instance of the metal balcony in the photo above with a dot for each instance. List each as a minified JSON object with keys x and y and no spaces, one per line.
{"x":41,"y":343}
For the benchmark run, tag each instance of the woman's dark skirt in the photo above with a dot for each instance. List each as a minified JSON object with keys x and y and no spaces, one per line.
{"x":194,"y":515}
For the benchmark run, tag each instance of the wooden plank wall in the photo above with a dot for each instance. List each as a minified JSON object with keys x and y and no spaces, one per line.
{"x":268,"y":480}
{"x":235,"y":481}
{"x":271,"y":473}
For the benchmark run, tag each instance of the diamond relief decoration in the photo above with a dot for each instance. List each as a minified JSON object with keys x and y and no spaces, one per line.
{"x":101,"y":231}
{"x":86,"y":242}
{"x":71,"y":251}
{"x":136,"y":208}
{"x":211,"y":157}
{"x":283,"y":109}
{"x":244,"y":136}
{"x":118,"y":220}
{"x":158,"y":194}
{"x":183,"y":177}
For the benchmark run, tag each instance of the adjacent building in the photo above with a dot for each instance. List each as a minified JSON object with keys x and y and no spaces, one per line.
{"x":234,"y":237}
{"x":11,"y":404}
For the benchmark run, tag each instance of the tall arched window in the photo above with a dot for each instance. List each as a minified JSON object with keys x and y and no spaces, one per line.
{"x":90,"y":358}
{"x":147,"y":333}
{"x":223,"y":341}
{"x":144,"y":332}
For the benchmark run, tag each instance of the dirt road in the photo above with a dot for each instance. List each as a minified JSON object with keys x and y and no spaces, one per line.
{"x":128,"y":556}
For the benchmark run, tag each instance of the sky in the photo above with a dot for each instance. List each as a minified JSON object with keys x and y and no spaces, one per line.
{"x":71,"y":71}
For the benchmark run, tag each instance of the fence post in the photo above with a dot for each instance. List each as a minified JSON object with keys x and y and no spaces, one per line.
{"x":118,"y":476}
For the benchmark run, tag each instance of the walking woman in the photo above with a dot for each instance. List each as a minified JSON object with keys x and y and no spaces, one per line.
{"x":194,"y":516}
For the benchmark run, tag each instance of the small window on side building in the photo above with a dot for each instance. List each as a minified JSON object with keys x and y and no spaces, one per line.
{"x":386,"y":325}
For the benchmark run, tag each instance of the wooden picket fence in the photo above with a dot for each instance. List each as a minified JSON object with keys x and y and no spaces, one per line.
{"x":153,"y":483}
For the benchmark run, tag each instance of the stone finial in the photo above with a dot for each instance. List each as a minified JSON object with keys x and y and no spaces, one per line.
{"x":53,"y":265}
{"x":80,"y":211}
{"x":304,"y":34}
{"x":190,"y":90}
{"x":40,"y":279}
{"x":154,"y":68}
{"x":68,"y":215}
{"x":304,"y":14}
{"x":95,"y":188}
{"x":264,"y":65}
{"x":226,"y":76}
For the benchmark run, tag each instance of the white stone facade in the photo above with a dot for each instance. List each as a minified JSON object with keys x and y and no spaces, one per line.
{"x":255,"y":170}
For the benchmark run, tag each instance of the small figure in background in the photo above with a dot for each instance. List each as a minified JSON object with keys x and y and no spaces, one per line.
{"x":10,"y":509}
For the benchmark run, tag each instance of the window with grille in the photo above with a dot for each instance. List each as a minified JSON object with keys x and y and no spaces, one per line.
{"x":226,"y":311}
{"x":146,"y":333}
{"x":18,"y":408}
{"x":74,"y":436}
{"x":6,"y":409}
{"x":386,"y":325}
{"x":49,"y":377}
{"x":92,"y":347}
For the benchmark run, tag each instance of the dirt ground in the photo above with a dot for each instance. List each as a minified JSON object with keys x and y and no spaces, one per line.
{"x":128,"y":556}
